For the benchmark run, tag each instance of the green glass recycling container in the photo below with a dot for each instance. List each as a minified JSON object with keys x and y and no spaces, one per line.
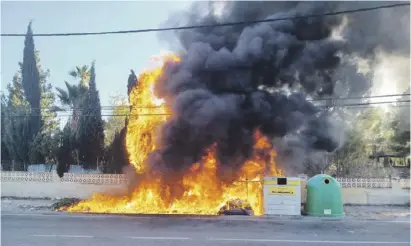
{"x":324,"y":197}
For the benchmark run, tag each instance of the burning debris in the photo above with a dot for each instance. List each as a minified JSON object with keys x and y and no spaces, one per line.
{"x":206,"y":117}
{"x":199,"y":190}
{"x":236,"y":207}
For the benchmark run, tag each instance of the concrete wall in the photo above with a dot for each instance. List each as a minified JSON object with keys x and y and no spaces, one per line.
{"x":54,"y":190}
{"x":372,"y":191}
{"x":397,"y":193}
{"x":369,"y":196}
{"x":363,"y":196}
{"x":40,"y":185}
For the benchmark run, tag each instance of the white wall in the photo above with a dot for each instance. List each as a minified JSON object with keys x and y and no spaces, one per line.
{"x":363,"y":196}
{"x":383,"y":196}
{"x":40,"y":185}
{"x":358,"y":192}
{"x":55,"y":190}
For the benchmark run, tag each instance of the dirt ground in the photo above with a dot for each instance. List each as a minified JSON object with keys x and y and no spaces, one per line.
{"x":377,"y":212}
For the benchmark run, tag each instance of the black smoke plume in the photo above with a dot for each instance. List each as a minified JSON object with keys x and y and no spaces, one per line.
{"x":234,"y":80}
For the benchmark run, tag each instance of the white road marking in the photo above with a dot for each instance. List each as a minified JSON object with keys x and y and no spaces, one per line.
{"x":303,"y":241}
{"x":70,"y":236}
{"x":161,"y":238}
{"x":217,"y":218}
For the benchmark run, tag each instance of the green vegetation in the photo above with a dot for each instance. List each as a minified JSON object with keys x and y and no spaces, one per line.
{"x":29,"y":115}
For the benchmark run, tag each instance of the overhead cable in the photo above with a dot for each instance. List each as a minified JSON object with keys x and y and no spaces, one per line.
{"x":208,"y":26}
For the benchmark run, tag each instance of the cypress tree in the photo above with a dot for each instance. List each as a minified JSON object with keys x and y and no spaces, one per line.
{"x":116,"y":157}
{"x":31,"y":82}
{"x":43,"y":143}
{"x":131,"y":82}
{"x":90,"y":131}
{"x":65,"y":151}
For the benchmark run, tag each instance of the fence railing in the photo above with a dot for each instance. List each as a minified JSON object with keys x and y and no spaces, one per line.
{"x":405,"y":183}
{"x":105,"y":179}
{"x":116,"y":179}
{"x":26,"y":177}
{"x":365,"y":182}
{"x":99,"y":179}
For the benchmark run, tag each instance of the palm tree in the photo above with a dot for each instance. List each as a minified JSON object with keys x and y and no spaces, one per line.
{"x":71,"y":97}
{"x":82,"y":73}
{"x":74,"y":95}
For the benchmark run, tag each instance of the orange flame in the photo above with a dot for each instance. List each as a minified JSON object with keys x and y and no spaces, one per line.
{"x":201,"y":190}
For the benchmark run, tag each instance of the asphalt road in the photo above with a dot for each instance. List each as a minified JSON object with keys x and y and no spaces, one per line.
{"x":101,"y":230}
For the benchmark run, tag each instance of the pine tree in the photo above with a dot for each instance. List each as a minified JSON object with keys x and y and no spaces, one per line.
{"x":31,"y":82}
{"x":401,"y":127}
{"x":5,"y":155}
{"x":30,"y":122}
{"x":47,"y":99}
{"x":17,"y":136}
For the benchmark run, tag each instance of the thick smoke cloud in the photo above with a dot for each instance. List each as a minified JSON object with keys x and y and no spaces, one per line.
{"x":386,"y":29}
{"x":215,"y":91}
{"x":373,"y":38}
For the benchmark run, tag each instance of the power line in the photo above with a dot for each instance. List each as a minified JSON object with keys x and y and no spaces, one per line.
{"x":165,"y":114}
{"x":89,"y":115}
{"x":211,"y":25}
{"x":369,"y":103}
{"x":368,"y":106}
{"x":364,"y":97}
{"x":123,"y":107}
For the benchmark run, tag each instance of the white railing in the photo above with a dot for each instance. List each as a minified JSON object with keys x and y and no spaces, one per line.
{"x":26,"y":177}
{"x":365,"y":182}
{"x":405,"y":183}
{"x":103,"y":179}
{"x":115,"y":179}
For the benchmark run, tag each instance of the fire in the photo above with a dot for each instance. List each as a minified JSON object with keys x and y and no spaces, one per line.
{"x":202,"y":191}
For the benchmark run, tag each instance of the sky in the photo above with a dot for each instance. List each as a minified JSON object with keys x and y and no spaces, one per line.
{"x":115,"y":55}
